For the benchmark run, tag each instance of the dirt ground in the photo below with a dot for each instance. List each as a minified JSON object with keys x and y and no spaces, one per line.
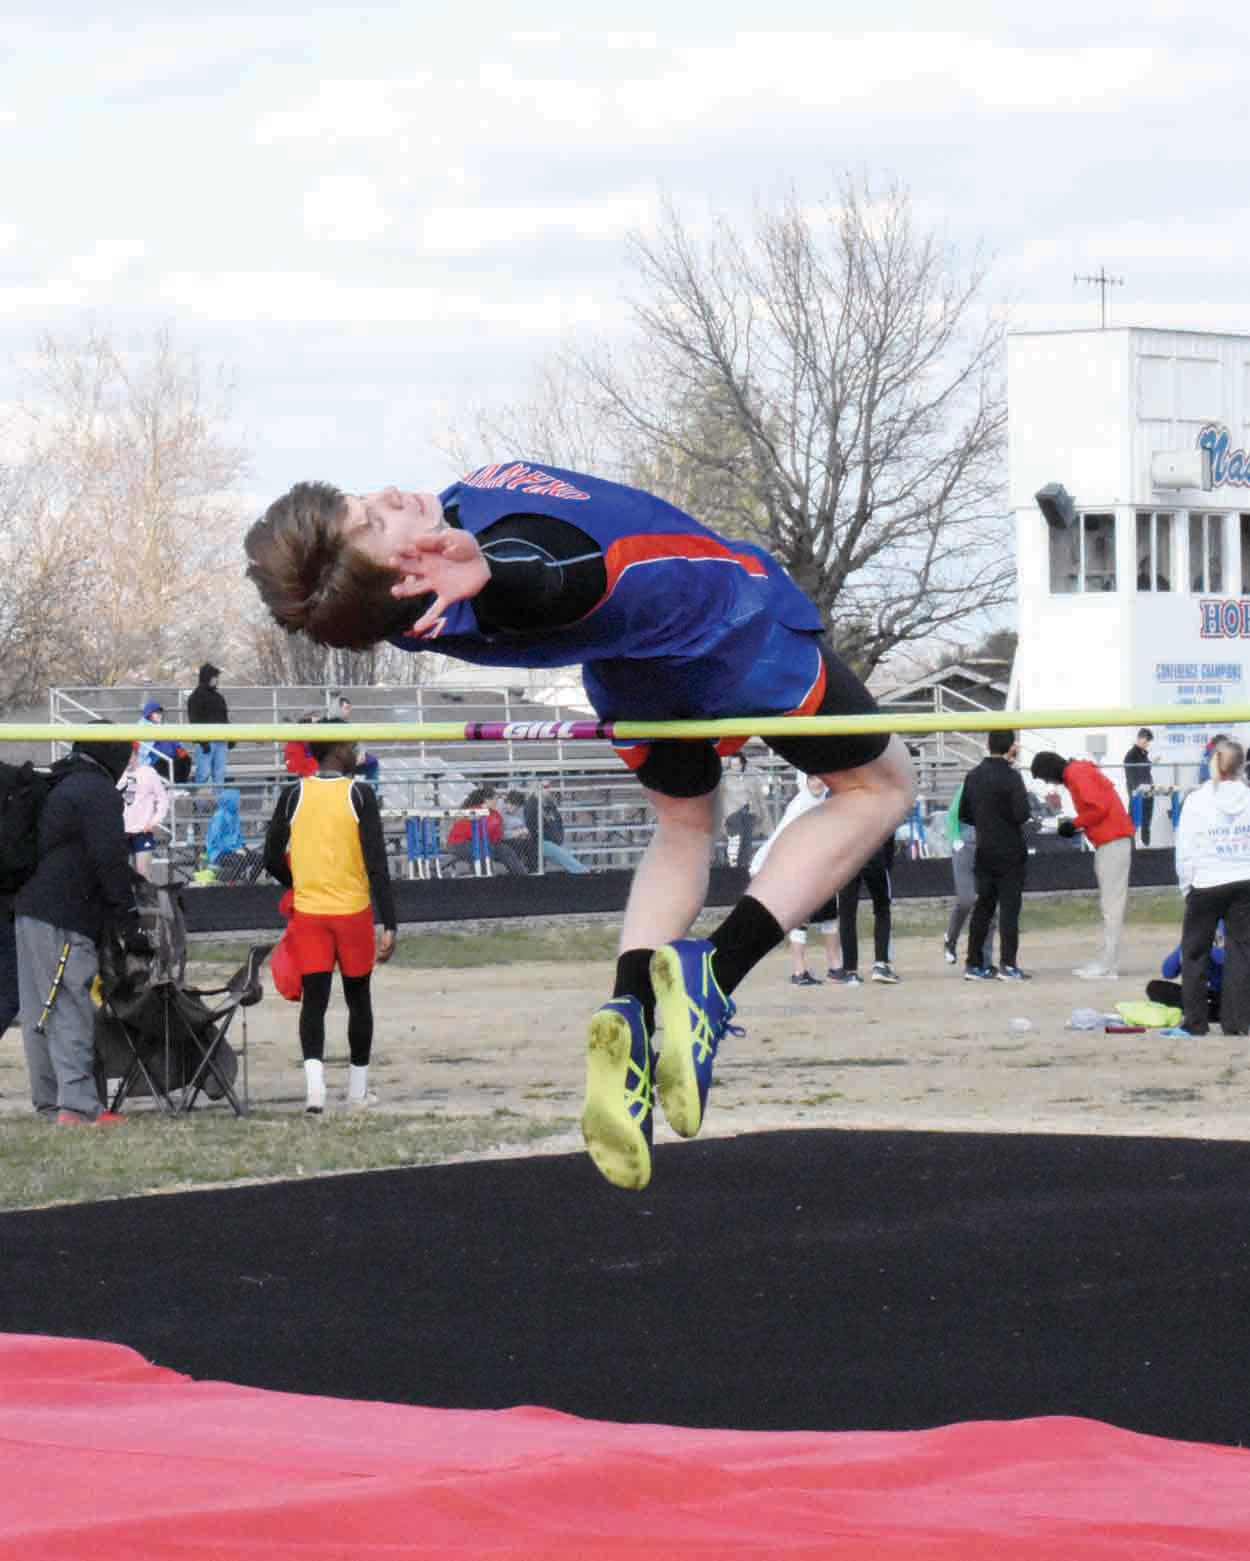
{"x":935,"y":1052}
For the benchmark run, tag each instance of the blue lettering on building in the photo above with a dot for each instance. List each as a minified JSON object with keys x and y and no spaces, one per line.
{"x":1227,"y":466}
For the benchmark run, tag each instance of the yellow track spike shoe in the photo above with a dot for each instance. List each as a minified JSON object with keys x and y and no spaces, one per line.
{"x":620,"y":1067}
{"x":694,"y":1014}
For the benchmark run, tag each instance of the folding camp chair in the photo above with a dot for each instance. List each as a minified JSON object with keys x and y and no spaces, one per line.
{"x":172,"y":1041}
{"x":156,"y":1035}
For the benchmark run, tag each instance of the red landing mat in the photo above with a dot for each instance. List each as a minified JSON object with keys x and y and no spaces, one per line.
{"x":104,"y":1456}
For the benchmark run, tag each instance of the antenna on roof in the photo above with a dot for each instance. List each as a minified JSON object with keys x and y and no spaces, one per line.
{"x":1102,"y":282}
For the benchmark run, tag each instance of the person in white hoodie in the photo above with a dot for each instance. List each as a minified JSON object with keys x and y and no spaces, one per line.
{"x":812,"y":791}
{"x":1213,"y":870}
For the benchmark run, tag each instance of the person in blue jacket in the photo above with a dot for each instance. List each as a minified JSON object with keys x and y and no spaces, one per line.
{"x":522,"y":565}
{"x":1168,"y":990}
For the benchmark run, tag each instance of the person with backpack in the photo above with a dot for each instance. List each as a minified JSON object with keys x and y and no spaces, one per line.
{"x":80,"y":891}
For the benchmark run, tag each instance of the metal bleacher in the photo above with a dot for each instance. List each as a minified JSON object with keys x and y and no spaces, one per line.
{"x":607,"y":822}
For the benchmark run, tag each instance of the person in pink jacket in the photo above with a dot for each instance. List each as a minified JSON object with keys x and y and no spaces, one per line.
{"x":145,"y":803}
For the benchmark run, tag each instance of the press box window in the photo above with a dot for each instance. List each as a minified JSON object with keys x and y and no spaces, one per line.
{"x":1206,"y":554}
{"x":1082,"y":556}
{"x":1154,"y":551}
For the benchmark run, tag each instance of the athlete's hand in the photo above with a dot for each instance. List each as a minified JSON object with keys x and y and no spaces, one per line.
{"x":386,"y":944}
{"x":447,"y":563}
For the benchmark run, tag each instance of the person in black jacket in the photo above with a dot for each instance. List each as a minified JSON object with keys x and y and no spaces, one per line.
{"x":206,"y":704}
{"x":1137,"y":772}
{"x":325,"y":843}
{"x":80,"y":890}
{"x":996,"y":804}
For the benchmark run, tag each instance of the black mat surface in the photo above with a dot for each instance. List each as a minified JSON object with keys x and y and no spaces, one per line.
{"x":799,"y":1280}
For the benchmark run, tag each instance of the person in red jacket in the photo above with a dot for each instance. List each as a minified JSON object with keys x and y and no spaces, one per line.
{"x":1103,"y":818}
{"x":460,"y":835}
{"x":298,"y":757}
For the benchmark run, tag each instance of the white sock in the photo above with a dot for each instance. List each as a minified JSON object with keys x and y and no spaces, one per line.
{"x":357,"y":1082}
{"x":315,"y":1083}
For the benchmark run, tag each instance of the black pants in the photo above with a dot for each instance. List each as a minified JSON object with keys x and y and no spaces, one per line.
{"x":312,"y":1016}
{"x":1204,"y":909}
{"x":877,"y":881}
{"x":1000,"y":886}
{"x":1147,"y":815}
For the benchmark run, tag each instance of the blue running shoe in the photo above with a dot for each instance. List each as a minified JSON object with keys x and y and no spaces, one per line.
{"x":694,"y":1014}
{"x":620,"y":1068}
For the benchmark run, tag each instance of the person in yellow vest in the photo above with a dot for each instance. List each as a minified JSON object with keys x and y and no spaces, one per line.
{"x":325,"y":843}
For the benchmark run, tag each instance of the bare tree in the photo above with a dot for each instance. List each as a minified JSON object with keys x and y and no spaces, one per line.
{"x":125,"y":475}
{"x":294,"y":659}
{"x":828,"y":384}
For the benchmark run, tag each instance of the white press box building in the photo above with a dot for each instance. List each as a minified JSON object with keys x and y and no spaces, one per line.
{"x":1134,"y":565}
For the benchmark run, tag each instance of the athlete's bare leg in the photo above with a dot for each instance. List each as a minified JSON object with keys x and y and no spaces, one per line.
{"x":818,"y":852}
{"x":670,"y":883}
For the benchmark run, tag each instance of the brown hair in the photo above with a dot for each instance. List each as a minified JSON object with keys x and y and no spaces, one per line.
{"x":315,"y":582}
{"x":1228,"y":759}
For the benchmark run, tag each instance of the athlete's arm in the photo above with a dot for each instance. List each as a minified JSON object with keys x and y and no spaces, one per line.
{"x":373,"y":849}
{"x":524,"y":572}
{"x":278,"y":837}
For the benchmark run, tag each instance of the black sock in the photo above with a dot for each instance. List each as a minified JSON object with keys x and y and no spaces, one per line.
{"x":633,"y":979}
{"x":748,"y":933}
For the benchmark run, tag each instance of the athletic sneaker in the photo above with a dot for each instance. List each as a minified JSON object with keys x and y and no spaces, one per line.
{"x":365,"y":1102}
{"x":620,"y":1068}
{"x":1093,"y":972}
{"x":806,"y":979}
{"x":1012,"y":973}
{"x":1177,"y":1032}
{"x":101,"y":1119}
{"x":694,"y":1014}
{"x":949,"y":952}
{"x":846,"y":977}
{"x":887,"y":973}
{"x":979,"y":973}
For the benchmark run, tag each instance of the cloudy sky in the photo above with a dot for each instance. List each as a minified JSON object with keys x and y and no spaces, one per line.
{"x":375,"y":214}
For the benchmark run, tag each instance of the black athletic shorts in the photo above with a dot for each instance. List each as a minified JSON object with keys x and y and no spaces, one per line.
{"x":691,"y":767}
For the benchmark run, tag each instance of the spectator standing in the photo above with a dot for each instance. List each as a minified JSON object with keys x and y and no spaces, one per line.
{"x":549,"y":828}
{"x":1102,"y":817}
{"x":145,"y":803}
{"x":205,"y":705}
{"x":80,"y":890}
{"x":1204,"y":764}
{"x":1213,"y":870}
{"x":874,"y":876}
{"x":996,"y":804}
{"x":325,"y":843}
{"x":1138,"y":777}
{"x":168,"y":758}
{"x":812,"y":791}
{"x":963,"y":844}
{"x":742,"y":791}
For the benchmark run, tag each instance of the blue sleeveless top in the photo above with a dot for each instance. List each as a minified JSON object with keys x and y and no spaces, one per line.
{"x":690,"y":624}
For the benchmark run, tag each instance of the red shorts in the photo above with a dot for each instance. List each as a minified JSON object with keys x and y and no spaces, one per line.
{"x":321,"y":942}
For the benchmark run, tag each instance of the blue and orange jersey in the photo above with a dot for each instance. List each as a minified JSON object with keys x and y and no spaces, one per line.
{"x":690,"y":623}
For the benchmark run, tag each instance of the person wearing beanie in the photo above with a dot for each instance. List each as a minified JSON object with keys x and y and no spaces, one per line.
{"x":205,"y":705}
{"x":1103,"y":819}
{"x":80,"y":890}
